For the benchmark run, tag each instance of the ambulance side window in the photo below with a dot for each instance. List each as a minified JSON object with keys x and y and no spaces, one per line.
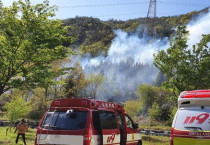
{"x":96,"y":121}
{"x":129,"y":122}
{"x":119,"y":119}
{"x":50,"y":119}
{"x":47,"y":119}
{"x":108,"y":120}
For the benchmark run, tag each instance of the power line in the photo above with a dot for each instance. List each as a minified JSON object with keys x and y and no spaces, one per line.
{"x":114,"y":15}
{"x":121,"y":14}
{"x":180,"y":3}
{"x":131,"y":3}
{"x":159,"y":2}
{"x":103,"y":5}
{"x":126,"y":14}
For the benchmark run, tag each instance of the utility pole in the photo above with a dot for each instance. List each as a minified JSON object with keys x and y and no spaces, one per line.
{"x":152,"y":14}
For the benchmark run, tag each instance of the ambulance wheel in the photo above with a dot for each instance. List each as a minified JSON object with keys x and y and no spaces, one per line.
{"x":139,"y":143}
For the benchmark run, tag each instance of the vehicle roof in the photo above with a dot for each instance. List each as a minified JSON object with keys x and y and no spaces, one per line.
{"x":194,"y":98}
{"x":85,"y":103}
{"x":195,"y":94}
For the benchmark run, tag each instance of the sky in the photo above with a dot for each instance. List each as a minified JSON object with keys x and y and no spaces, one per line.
{"x":120,"y":9}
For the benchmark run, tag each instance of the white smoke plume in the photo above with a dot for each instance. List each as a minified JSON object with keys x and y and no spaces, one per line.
{"x":198,"y":27}
{"x":130,"y":60}
{"x":125,"y":46}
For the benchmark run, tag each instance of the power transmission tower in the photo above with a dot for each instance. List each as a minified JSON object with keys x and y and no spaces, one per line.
{"x":152,"y":9}
{"x":152,"y":14}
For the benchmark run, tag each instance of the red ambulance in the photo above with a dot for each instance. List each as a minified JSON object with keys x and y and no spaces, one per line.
{"x":191,"y":124}
{"x":86,"y":122}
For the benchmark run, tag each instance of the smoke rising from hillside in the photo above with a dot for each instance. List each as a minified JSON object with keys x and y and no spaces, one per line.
{"x":197,"y":28}
{"x":128,"y":64}
{"x":130,"y":61}
{"x":125,"y":46}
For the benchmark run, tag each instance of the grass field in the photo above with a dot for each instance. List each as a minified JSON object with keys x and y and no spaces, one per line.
{"x":155,"y":140}
{"x":9,"y":139}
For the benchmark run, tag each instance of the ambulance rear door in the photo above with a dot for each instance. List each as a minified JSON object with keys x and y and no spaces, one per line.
{"x":192,"y":126}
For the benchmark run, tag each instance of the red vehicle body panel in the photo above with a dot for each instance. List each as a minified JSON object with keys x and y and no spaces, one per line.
{"x":129,"y":136}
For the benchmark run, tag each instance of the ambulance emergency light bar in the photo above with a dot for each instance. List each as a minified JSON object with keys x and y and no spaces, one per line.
{"x":84,"y":103}
{"x":195,"y":94}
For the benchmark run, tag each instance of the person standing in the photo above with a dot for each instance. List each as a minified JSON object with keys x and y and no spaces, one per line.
{"x":22,"y":127}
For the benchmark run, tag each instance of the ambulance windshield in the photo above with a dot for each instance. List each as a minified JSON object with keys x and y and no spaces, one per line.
{"x":193,"y":119}
{"x":60,"y":120}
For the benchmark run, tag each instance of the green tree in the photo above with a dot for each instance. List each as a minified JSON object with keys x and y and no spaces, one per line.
{"x":75,"y":82}
{"x":163,"y":114}
{"x":133,"y":107}
{"x":39,"y":103}
{"x":160,"y":78}
{"x":29,"y":41}
{"x":154,"y":112}
{"x":95,"y":82}
{"x":147,"y":95}
{"x":152,"y":94}
{"x":186,"y":68}
{"x":17,"y":107}
{"x":172,"y":115}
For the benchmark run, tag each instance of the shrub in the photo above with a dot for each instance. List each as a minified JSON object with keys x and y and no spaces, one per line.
{"x":154,"y":112}
{"x":173,"y":113}
{"x":133,"y":107}
{"x":17,"y":107}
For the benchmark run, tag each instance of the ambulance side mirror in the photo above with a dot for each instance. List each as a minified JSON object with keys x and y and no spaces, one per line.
{"x":135,"y":126}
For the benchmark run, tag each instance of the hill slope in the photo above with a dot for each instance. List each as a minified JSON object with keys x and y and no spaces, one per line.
{"x":94,"y":36}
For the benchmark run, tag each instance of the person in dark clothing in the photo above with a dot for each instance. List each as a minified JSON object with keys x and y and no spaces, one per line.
{"x":22,"y":127}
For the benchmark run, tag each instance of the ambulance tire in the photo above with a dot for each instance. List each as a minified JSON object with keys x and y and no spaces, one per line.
{"x":139,"y":143}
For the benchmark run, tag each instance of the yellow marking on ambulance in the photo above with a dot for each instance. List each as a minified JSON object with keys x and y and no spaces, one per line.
{"x":132,"y":136}
{"x":190,"y":141}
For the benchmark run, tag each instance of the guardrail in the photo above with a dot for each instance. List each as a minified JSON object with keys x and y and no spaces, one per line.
{"x":155,"y":132}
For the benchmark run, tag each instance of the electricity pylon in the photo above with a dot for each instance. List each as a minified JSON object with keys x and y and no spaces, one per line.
{"x":152,"y":9}
{"x":152,"y":14}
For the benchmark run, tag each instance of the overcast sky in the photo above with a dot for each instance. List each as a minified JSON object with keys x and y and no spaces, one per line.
{"x":120,"y":9}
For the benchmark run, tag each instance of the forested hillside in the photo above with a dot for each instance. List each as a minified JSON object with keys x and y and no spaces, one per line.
{"x":94,"y":36}
{"x":91,"y":35}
